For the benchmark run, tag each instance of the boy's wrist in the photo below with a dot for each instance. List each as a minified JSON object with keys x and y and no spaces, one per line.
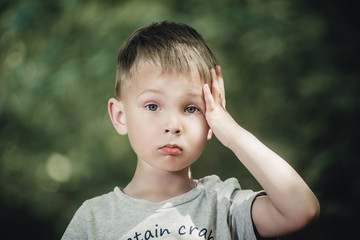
{"x":230,"y":134}
{"x":237,"y":138}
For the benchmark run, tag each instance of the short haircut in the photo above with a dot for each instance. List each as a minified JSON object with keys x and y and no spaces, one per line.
{"x":173,"y":47}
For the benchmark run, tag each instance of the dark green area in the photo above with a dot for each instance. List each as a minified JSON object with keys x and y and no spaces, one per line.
{"x":291,"y":72}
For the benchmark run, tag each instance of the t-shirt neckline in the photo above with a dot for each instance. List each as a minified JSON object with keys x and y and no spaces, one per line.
{"x":169,"y":203}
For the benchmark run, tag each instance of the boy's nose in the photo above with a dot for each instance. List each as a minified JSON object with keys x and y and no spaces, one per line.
{"x":173,"y":130}
{"x":173,"y":126}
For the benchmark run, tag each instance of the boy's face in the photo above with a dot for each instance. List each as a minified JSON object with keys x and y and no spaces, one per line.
{"x":164,"y":118}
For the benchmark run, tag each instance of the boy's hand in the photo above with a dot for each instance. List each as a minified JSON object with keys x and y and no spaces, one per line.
{"x":289,"y":204}
{"x":219,"y":120}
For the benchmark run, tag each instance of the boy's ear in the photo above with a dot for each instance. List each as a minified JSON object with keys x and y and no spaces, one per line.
{"x":210,"y":133}
{"x":117,"y":115}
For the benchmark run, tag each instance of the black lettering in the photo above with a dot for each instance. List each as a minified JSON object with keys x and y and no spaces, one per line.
{"x":162,"y":231}
{"x":148,"y":235}
{"x":210,"y":237}
{"x":181,"y":233}
{"x":192,"y":228}
{"x":202,"y":233}
{"x":156,"y":231}
{"x":137,"y":235}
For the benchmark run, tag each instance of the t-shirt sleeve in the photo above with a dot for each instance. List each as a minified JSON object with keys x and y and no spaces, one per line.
{"x":77,"y":228}
{"x":241,"y":224}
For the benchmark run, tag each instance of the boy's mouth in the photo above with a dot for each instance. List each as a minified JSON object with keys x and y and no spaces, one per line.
{"x":171,"y":149}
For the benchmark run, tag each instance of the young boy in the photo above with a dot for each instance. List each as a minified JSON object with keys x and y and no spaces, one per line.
{"x":171,"y":100}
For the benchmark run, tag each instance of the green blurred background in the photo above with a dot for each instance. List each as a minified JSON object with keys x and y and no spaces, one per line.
{"x":292,"y":78}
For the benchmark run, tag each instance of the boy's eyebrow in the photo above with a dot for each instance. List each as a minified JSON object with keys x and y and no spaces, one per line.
{"x":151,"y":91}
{"x":195,"y":95}
{"x":159,"y":91}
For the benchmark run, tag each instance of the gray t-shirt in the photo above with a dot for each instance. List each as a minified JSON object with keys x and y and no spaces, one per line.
{"x":213,"y":210}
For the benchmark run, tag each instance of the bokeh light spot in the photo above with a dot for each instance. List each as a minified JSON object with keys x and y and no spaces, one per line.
{"x":58,"y":167}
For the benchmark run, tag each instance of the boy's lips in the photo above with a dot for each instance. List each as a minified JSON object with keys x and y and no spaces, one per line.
{"x":171,"y":149}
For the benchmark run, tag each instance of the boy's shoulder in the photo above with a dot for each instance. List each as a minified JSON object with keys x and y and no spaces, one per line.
{"x":106,"y":197}
{"x":229,"y":188}
{"x":98,"y":203}
{"x":214,"y":182}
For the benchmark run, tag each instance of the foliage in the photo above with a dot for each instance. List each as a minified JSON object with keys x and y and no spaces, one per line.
{"x":291,"y":79}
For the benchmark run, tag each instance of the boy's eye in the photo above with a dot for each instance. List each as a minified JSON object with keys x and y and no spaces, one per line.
{"x":152,"y":107}
{"x":191,"y":109}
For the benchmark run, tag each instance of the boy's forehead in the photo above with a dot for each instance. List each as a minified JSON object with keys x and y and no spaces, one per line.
{"x":146,"y":70}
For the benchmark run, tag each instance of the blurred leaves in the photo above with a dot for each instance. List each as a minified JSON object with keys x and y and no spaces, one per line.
{"x":291,"y":78}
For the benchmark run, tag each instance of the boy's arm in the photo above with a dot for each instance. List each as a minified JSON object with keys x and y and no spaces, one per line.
{"x":290,"y":204}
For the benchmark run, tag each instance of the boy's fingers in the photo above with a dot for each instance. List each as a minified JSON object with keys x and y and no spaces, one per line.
{"x":218,"y":71}
{"x":213,"y":79}
{"x":220,"y":78}
{"x":209,"y":100}
{"x":215,"y":87}
{"x":220,"y":85}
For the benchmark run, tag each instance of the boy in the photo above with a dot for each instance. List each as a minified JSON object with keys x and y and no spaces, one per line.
{"x":171,"y":100}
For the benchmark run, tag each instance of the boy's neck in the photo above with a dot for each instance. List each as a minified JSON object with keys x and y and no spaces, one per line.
{"x":159,"y":186}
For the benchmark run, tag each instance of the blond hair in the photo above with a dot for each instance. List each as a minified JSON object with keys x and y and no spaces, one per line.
{"x":173,"y":47}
